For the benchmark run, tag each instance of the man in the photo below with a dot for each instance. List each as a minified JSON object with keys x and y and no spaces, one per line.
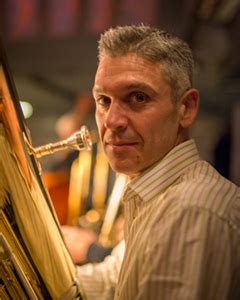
{"x":182,"y":219}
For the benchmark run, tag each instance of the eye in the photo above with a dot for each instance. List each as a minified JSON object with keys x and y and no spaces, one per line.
{"x":103,"y":101}
{"x":139,"y":98}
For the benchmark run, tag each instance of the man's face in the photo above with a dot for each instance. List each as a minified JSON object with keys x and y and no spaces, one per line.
{"x":137,"y":120}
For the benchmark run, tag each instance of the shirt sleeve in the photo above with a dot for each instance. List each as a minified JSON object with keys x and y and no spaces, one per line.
{"x":99,"y":280}
{"x":190,"y":257}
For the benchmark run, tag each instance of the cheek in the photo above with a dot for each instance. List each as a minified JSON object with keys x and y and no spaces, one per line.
{"x":98,"y":120}
{"x":100,"y":123}
{"x":162,"y":129}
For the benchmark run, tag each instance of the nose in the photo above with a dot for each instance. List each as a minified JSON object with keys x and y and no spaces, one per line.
{"x":116,"y":117}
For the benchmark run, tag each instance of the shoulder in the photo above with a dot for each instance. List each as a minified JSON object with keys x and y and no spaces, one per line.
{"x":202,"y":187}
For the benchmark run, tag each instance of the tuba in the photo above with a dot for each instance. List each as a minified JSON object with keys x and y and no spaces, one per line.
{"x":34,"y":260}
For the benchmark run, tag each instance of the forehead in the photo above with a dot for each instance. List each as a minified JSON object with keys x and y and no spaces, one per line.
{"x":127,"y":71}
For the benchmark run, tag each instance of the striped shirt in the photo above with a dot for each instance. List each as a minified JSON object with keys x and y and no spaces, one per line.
{"x":182,"y":232}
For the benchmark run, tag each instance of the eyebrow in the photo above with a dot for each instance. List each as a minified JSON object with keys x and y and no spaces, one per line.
{"x":140,"y":86}
{"x":97,"y":89}
{"x":128,"y":87}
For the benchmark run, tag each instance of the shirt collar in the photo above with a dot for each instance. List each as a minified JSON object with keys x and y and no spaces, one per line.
{"x":158,"y":178}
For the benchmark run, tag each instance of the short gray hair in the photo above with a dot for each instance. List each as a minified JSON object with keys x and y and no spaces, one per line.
{"x":156,"y":46}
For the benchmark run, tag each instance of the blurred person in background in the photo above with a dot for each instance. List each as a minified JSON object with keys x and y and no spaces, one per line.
{"x":82,"y":113}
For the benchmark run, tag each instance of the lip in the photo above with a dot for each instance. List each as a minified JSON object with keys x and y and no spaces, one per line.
{"x":121,"y":145}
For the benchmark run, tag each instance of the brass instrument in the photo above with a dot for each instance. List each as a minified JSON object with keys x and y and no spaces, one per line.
{"x":80,"y":140}
{"x":105,"y":235}
{"x":105,"y":212}
{"x":34,"y":261}
{"x":88,"y":179}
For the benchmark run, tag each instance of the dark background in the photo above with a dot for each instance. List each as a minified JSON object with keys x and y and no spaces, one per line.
{"x":52,"y":46}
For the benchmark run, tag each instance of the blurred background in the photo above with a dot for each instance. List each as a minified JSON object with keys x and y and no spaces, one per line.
{"x":52,"y":45}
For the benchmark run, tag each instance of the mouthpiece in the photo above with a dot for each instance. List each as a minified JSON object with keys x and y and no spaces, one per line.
{"x":80,"y":140}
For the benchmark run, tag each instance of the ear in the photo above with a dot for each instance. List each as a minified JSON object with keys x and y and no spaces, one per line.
{"x":188,"y":108}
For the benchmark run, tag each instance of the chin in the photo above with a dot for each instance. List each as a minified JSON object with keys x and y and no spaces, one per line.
{"x":121,"y":168}
{"x":125,"y":169}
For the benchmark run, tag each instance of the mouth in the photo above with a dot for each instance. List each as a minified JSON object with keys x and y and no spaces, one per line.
{"x":120,"y":146}
{"x":120,"y":143}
